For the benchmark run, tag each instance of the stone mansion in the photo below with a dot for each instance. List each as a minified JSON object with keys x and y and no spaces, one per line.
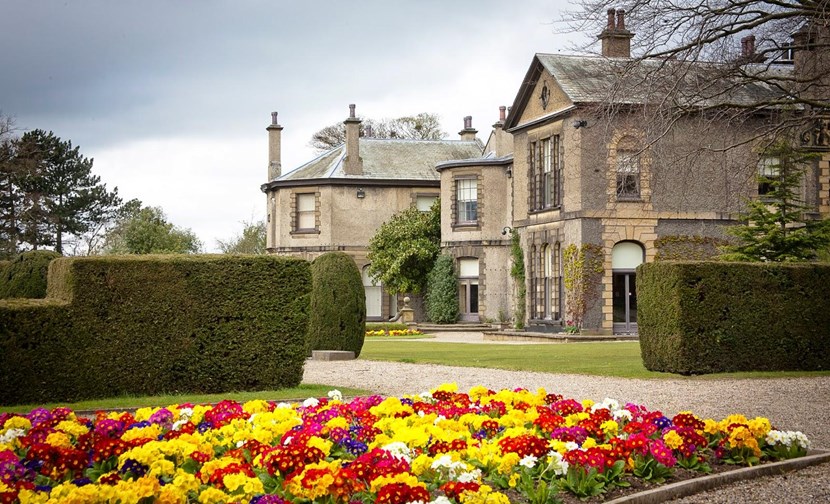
{"x":557,"y":170}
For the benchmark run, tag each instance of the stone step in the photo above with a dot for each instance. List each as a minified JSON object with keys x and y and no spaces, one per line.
{"x":331,"y":355}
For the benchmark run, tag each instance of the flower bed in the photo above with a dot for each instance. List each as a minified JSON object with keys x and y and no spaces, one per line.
{"x":444,"y":446}
{"x":394,"y":332}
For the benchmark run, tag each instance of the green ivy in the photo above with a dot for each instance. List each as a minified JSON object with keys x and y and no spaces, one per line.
{"x":517,"y":272}
{"x":687,"y":247}
{"x":583,"y":271}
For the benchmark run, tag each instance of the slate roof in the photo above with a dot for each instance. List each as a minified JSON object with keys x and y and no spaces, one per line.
{"x":598,"y":79}
{"x":387,"y":159}
{"x":489,"y":159}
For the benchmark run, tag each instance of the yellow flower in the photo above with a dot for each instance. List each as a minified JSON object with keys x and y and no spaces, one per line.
{"x":59,"y":440}
{"x":514,"y":479}
{"x":405,"y":478}
{"x":212,"y":495}
{"x":760,"y":427}
{"x":255,"y":406}
{"x":323,"y":444}
{"x":249,"y":486}
{"x":589,"y":443}
{"x":673,"y":440}
{"x":587,"y":403}
{"x":32,"y":497}
{"x":142,"y":414}
{"x":710,"y":426}
{"x":421,"y":464}
{"x":74,"y":429}
{"x":149,"y":432}
{"x":485,"y":495}
{"x":610,"y":427}
{"x":16,"y":422}
{"x":508,"y":462}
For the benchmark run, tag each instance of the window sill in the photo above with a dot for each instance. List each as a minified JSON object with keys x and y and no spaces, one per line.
{"x":466,"y":226}
{"x":305,"y":232}
{"x":546,"y":209}
{"x":630,"y":199}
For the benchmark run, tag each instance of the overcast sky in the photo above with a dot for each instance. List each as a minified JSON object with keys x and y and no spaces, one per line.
{"x":171,"y":99}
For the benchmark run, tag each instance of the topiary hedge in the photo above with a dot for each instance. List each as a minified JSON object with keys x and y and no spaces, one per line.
{"x":147,"y":325}
{"x":441,"y":298}
{"x":25,"y":275}
{"x":708,"y":317}
{"x":337,"y":317}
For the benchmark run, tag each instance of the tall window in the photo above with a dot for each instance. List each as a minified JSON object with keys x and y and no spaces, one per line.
{"x":424,"y":202}
{"x":768,"y":173}
{"x":628,"y":175}
{"x":305,"y":212}
{"x":548,"y":273}
{"x":467,"y":201}
{"x":545,"y":162}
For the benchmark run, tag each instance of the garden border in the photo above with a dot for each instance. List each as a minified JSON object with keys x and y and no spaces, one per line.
{"x":712,"y":481}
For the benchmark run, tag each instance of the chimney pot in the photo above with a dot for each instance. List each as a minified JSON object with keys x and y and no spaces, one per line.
{"x":274,"y":118}
{"x":502,"y":110}
{"x":468,"y":122}
{"x":611,"y":19}
{"x":351,"y":110}
{"x":620,"y":19}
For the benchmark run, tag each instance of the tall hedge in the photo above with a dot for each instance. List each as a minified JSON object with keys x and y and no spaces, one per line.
{"x":708,"y":317}
{"x":442,"y":291}
{"x":337,"y":316}
{"x":25,"y":275}
{"x":146,"y":325}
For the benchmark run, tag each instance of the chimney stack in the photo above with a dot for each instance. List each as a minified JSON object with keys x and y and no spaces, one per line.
{"x":353,"y":163}
{"x":502,"y":141}
{"x":274,"y":154}
{"x":616,"y":40}
{"x":468,"y":134}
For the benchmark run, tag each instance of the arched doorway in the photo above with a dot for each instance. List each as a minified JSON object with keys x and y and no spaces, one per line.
{"x":374,"y":296}
{"x":468,"y":289}
{"x":625,"y":257}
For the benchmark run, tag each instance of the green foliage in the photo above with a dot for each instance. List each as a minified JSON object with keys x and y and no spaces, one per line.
{"x":337,"y":319}
{"x":62,"y":196}
{"x":404,"y":249}
{"x":250,"y":241}
{"x":423,"y":126}
{"x":774,"y":228}
{"x":116,"y":325}
{"x":517,"y":273}
{"x":650,"y":470}
{"x":687,"y":247}
{"x":442,"y":291}
{"x":25,"y":276}
{"x":582,"y":277}
{"x":582,"y":482}
{"x":709,"y":317}
{"x":147,"y":231}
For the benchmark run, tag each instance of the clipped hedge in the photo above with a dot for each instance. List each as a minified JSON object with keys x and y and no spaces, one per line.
{"x":25,"y":275}
{"x":337,"y":318}
{"x":147,"y":325}
{"x":709,"y":317}
{"x":441,"y":299}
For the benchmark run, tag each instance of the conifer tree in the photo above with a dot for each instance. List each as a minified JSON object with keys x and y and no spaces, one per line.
{"x":774,"y":227}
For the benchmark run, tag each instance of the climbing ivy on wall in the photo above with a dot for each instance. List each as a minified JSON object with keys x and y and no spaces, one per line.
{"x":583,"y":275}
{"x":687,"y":248}
{"x":517,"y":272}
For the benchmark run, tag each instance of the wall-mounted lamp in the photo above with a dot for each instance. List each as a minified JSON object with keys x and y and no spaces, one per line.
{"x":507,"y":229}
{"x":579,"y":123}
{"x":361,"y":193}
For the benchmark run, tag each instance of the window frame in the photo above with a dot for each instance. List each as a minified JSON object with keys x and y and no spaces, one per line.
{"x":461,"y":209}
{"x":630,"y":161}
{"x":299,"y":214}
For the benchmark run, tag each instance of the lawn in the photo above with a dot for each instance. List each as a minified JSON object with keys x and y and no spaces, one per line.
{"x":615,"y":359}
{"x":126,"y":402}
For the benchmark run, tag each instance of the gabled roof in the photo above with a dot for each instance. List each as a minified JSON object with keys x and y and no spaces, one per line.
{"x":387,"y":159}
{"x":598,"y":79}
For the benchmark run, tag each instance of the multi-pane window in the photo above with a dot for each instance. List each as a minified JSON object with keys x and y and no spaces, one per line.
{"x":305,"y":212}
{"x":628,"y":175}
{"x":466,"y":201}
{"x":545,"y":163}
{"x":768,"y":173}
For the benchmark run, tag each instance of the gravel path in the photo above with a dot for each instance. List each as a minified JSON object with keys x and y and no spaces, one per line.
{"x":789,"y":403}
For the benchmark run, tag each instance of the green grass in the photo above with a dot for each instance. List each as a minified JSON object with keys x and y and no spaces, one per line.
{"x":125,"y":402}
{"x":613,"y":359}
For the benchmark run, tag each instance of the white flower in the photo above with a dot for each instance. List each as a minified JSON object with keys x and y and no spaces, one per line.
{"x":438,"y":419}
{"x":469,"y":476}
{"x":622,"y":413}
{"x":335,"y":395}
{"x":787,"y":438}
{"x":557,"y":463}
{"x":11,"y":435}
{"x":239,"y":444}
{"x":251,"y":420}
{"x":442,"y":461}
{"x":283,"y":405}
{"x":571,"y":446}
{"x":176,"y":426}
{"x":310,"y":402}
{"x":399,"y":450}
{"x":607,"y":403}
{"x":185,"y":413}
{"x":528,"y":461}
{"x":441,"y":500}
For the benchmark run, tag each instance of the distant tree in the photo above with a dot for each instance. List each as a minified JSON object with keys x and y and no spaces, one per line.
{"x":250,"y":241}
{"x":147,"y":231}
{"x":442,"y":291}
{"x":423,"y":126}
{"x":61,"y":195}
{"x":774,"y":228}
{"x":403,"y":250}
{"x":11,"y":197}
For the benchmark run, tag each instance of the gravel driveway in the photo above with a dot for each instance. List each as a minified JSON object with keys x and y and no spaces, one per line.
{"x":789,"y":403}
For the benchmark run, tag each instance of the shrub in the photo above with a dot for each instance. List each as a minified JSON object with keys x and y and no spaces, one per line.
{"x":337,"y":319}
{"x":147,"y":325}
{"x":707,"y":317}
{"x":442,"y":291}
{"x":25,"y":275}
